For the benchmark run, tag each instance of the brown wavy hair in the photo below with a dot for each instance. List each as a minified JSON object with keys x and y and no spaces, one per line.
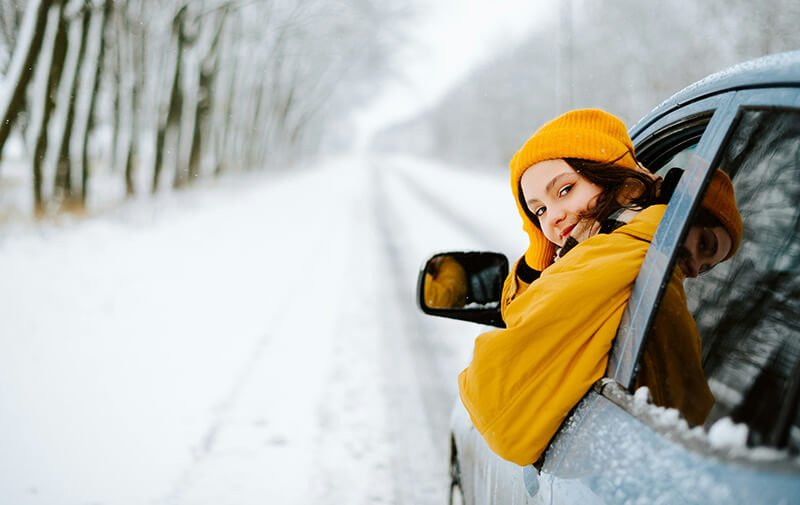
{"x":621,"y":186}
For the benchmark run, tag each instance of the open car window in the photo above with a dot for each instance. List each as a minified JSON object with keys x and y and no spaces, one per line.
{"x":743,"y":360}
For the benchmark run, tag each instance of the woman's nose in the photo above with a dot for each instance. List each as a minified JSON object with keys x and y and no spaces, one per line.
{"x":555,"y":214}
{"x":691,"y":263}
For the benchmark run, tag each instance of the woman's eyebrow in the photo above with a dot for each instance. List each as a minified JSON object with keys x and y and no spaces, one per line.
{"x":554,"y":181}
{"x":549,"y":186}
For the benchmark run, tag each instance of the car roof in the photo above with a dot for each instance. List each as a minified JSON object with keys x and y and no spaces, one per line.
{"x":779,"y":69}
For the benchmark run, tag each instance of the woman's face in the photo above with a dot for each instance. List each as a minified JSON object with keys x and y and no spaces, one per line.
{"x":704,"y":248}
{"x":558,"y":195}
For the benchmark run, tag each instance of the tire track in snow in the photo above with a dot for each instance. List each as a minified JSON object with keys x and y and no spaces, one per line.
{"x":480,"y":235}
{"x":204,"y":449}
{"x":421,"y":472}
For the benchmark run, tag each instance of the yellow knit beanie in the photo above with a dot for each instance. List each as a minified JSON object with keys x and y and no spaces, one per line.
{"x":721,"y":202}
{"x":588,"y":134}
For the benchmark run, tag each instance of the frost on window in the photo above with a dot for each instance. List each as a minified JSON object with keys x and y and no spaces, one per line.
{"x":748,"y":309}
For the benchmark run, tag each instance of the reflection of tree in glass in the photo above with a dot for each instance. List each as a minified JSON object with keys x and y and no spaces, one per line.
{"x":747,"y":310}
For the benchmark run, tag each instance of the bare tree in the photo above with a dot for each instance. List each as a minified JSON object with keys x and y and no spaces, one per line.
{"x":68,"y":98}
{"x":209,"y":71}
{"x":11,"y":15}
{"x":51,"y":71}
{"x":20,"y":71}
{"x":184,"y":33}
{"x":99,"y":25}
{"x":173,"y":91}
{"x":649,"y":51}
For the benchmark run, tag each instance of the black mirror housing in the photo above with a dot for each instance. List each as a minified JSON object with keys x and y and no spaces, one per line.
{"x":463,"y":285}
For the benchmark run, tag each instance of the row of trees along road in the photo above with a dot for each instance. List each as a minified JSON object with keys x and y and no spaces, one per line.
{"x":624,"y":56}
{"x":172,"y":90}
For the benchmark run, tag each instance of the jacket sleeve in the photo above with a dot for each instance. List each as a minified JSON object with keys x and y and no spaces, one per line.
{"x":519,"y":278}
{"x":671,"y":366}
{"x":524,"y":380}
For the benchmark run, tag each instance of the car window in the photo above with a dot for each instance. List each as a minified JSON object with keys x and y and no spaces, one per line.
{"x":672,"y":143}
{"x":680,"y":159}
{"x":746,"y":352}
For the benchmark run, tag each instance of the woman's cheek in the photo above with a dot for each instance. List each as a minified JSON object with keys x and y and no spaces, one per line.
{"x":593,"y":201}
{"x":549,"y":232}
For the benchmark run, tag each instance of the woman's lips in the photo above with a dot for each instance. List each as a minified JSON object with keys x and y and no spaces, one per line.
{"x":566,"y":231}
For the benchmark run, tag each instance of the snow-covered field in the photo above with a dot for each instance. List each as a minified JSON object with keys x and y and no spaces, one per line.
{"x":252,"y":342}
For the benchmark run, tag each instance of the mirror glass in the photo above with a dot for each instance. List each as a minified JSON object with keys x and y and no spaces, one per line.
{"x":464,"y":281}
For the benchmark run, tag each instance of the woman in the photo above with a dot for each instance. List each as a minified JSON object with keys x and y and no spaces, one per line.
{"x":584,"y":200}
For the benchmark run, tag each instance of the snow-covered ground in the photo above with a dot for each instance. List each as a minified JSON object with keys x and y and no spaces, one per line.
{"x":252,"y":342}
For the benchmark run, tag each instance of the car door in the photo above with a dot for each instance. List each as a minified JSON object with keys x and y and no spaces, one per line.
{"x":617,"y":447}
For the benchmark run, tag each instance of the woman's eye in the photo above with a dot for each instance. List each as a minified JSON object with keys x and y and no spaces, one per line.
{"x":538,"y":211}
{"x":713,"y":244}
{"x":566,"y":189}
{"x":708,"y":242}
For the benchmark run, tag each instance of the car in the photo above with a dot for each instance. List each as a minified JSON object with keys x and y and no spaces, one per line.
{"x":616,"y":446}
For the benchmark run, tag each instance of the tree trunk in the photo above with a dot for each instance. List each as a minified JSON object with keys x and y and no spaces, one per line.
{"x":223,"y":123}
{"x":223,"y":152}
{"x":133,"y":137}
{"x":209,"y":68}
{"x":169,"y":121}
{"x":133,"y":141}
{"x":98,"y":65}
{"x":116,"y":116}
{"x":63,"y":179}
{"x":202,"y":111}
{"x":22,"y":64}
{"x":58,"y":51}
{"x":126,"y":42}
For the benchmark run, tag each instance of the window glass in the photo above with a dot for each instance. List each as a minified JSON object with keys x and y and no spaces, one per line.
{"x":672,"y":145}
{"x":681,"y":159}
{"x":747,"y":309}
{"x":671,"y":365}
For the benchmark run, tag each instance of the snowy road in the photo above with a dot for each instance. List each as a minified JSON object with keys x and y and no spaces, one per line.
{"x":256,"y":342}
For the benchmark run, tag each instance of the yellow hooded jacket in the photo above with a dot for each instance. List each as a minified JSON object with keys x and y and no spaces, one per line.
{"x":523,"y":380}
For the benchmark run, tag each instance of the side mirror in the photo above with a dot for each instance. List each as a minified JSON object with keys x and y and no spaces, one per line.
{"x":463,"y":285}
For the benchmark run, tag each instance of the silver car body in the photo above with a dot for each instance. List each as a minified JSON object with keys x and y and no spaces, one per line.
{"x":615,"y":449}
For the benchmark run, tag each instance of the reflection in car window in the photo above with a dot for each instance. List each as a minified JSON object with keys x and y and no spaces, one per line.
{"x":748,"y":309}
{"x":671,"y":364}
{"x":680,"y":160}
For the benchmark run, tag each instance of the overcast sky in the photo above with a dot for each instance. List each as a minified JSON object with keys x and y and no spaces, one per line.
{"x":447,"y":39}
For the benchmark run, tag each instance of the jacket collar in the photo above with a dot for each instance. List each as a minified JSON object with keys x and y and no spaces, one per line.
{"x":639,"y":224}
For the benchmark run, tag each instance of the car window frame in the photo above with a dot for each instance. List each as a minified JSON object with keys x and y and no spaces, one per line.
{"x":650,"y":282}
{"x":659,"y":261}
